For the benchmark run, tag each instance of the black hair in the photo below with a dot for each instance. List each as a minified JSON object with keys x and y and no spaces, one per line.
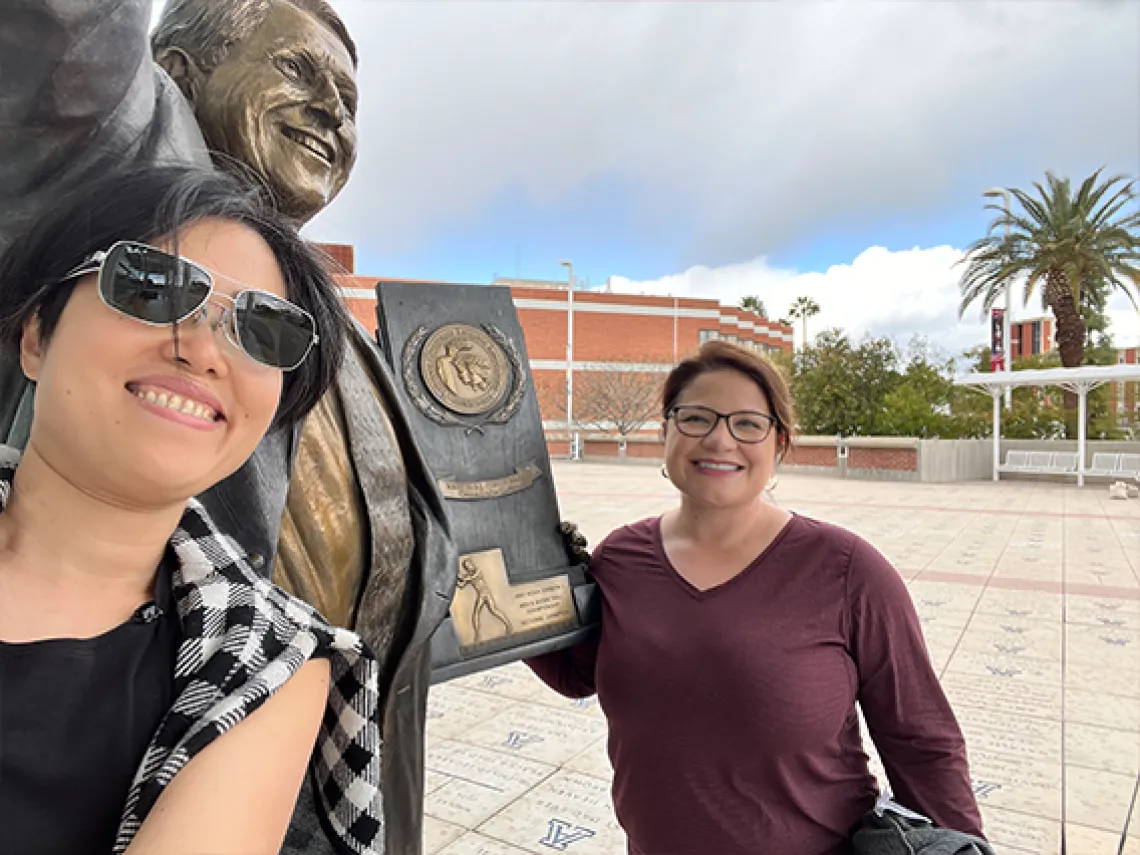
{"x":145,"y":203}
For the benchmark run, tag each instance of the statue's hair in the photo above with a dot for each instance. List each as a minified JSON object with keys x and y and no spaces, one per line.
{"x":207,"y":29}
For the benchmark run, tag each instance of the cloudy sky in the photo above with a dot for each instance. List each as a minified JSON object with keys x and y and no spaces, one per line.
{"x":836,"y":149}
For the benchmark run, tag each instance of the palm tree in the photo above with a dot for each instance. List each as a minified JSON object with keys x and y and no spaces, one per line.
{"x":1071,"y":246}
{"x":754,"y":304}
{"x":804,"y":308}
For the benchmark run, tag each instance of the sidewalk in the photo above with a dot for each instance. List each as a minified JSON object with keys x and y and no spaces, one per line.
{"x":1030,"y":598}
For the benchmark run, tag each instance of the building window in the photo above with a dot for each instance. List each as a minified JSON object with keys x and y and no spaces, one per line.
{"x":1037,"y":337}
{"x":708,"y":335}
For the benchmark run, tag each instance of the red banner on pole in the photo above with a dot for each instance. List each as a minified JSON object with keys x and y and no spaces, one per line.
{"x":997,"y":339}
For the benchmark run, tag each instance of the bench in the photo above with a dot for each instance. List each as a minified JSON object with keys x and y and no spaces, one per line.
{"x":1115,"y":465}
{"x":1015,"y":461}
{"x":1040,"y":462}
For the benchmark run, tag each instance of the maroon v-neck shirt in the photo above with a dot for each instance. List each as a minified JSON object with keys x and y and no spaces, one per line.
{"x":732,"y":723}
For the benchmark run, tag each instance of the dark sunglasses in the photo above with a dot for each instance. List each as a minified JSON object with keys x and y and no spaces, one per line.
{"x":161,"y":289}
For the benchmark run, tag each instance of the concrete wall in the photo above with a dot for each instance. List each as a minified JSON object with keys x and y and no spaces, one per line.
{"x":869,"y":458}
{"x":942,"y":461}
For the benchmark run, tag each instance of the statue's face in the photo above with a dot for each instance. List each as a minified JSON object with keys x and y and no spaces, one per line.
{"x":284,"y":102}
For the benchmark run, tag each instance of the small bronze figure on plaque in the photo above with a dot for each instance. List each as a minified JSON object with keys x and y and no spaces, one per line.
{"x":470,"y":576}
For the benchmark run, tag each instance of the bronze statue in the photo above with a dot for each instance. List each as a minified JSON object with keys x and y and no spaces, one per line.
{"x":273,"y":86}
{"x":267,"y":85}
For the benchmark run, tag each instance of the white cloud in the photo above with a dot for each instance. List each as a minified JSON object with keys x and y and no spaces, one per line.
{"x":896,"y":294}
{"x":752,"y":124}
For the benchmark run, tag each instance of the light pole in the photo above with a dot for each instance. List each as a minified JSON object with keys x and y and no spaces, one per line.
{"x":569,"y":265}
{"x":675,"y":311}
{"x":993,"y":193}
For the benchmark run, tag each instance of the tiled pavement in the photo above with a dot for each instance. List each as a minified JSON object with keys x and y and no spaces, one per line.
{"x":1030,"y":597}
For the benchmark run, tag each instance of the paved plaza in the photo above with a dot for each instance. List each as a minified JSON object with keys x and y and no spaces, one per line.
{"x":1029,"y":594}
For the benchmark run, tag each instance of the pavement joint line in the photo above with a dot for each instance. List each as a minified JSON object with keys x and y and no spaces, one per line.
{"x":465,"y":780}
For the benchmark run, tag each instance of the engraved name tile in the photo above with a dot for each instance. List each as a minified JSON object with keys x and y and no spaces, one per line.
{"x":594,"y":761}
{"x":538,"y":732}
{"x":438,"y":833}
{"x":1102,"y":709}
{"x":454,"y":710}
{"x":1102,"y":748}
{"x":569,"y":812}
{"x":1017,"y":830}
{"x":1097,"y":799}
{"x":476,"y":844}
{"x":1029,"y":787}
{"x":1001,"y":695}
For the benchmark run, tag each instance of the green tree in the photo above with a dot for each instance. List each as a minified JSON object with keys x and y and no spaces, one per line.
{"x":839,"y":388}
{"x":920,"y":404}
{"x":1064,"y":244}
{"x":754,"y":304}
{"x":802,"y":309}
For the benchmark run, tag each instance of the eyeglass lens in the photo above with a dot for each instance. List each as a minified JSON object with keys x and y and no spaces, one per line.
{"x":744,"y":426}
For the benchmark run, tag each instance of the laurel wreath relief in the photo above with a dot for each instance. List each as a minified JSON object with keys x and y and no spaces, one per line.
{"x":414,"y":386}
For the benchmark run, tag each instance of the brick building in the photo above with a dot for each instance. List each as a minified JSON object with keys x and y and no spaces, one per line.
{"x":1031,"y":336}
{"x":1034,"y":336}
{"x":1124,"y":398}
{"x":623,"y":345}
{"x":639,"y":336}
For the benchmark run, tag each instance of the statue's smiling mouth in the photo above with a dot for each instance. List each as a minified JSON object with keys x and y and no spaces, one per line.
{"x":311,"y":143}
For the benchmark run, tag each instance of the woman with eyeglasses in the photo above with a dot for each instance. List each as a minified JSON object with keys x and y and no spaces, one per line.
{"x":737,"y":641}
{"x":156,"y":694}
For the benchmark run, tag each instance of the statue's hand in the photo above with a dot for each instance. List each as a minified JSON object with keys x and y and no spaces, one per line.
{"x":575,"y":543}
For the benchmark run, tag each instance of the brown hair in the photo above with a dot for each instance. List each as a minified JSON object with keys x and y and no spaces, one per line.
{"x":723,"y":356}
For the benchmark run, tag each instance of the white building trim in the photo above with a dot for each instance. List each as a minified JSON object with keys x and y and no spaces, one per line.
{"x":581,"y":305}
{"x":635,"y":367}
{"x":555,"y":424}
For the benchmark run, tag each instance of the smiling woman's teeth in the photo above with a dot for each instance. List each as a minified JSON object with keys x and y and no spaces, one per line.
{"x":720,"y":467}
{"x":178,"y":404}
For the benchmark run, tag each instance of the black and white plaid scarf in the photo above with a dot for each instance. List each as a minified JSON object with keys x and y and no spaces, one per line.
{"x":242,"y":639}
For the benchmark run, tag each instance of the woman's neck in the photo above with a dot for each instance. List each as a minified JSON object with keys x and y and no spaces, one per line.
{"x":82,"y":552}
{"x":723,"y":528}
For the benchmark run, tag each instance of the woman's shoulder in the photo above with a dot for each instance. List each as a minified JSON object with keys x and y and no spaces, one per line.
{"x":634,"y":540}
{"x":863,"y":564}
{"x":633,"y":535}
{"x":824,"y":536}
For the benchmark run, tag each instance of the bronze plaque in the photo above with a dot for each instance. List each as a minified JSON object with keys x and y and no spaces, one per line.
{"x":464,"y":369}
{"x":488,"y":608}
{"x":494,"y":488}
{"x":461,"y":359}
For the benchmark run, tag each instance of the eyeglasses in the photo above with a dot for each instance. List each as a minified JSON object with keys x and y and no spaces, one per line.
{"x":161,"y":289}
{"x":747,"y":426}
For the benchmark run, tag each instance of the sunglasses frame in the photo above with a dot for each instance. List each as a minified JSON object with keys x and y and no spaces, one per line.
{"x":96,"y":263}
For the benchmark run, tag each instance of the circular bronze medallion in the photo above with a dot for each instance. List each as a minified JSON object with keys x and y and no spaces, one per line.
{"x":464,"y":369}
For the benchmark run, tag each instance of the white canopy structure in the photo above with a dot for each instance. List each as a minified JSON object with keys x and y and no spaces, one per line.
{"x":1079,"y":380}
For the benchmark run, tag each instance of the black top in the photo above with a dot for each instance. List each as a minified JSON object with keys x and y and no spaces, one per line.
{"x":76,"y":717}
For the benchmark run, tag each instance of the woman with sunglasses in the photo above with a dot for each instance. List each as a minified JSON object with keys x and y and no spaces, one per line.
{"x":737,"y":640}
{"x":157,"y":695}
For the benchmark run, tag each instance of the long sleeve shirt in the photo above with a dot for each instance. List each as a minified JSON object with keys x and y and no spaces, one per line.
{"x":732,"y":711}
